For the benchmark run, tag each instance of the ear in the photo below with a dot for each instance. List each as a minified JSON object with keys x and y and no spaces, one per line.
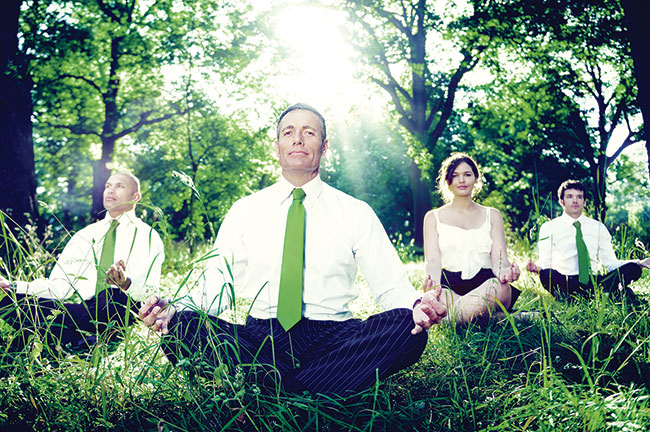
{"x":136,"y":197}
{"x":277,"y":149}
{"x":323,"y":148}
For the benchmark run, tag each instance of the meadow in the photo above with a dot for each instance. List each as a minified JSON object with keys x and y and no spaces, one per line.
{"x":548,"y":366}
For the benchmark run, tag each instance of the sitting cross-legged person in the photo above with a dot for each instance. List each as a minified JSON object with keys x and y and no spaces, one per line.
{"x":86,"y":292}
{"x":465,"y":246}
{"x":573,"y":247}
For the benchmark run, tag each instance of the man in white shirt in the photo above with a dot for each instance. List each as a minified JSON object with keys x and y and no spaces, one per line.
{"x":97,"y":290}
{"x":559,"y":252}
{"x":324,"y":349}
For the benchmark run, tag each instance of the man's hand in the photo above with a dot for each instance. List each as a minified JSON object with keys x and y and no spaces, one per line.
{"x":645,"y":263}
{"x":157,"y":313}
{"x":532,"y":267}
{"x":116,"y":275}
{"x":429,"y":310}
{"x":510,"y":274}
{"x":4,"y":284}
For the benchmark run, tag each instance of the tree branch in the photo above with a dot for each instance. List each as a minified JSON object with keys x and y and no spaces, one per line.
{"x":466,"y":65}
{"x":77,"y":130}
{"x":629,"y":140}
{"x":144,"y":120}
{"x":392,"y":91}
{"x":108,"y":12}
{"x":84,"y":79}
{"x":384,"y":65}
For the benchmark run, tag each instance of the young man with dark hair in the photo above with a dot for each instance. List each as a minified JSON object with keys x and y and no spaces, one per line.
{"x":573,"y":248}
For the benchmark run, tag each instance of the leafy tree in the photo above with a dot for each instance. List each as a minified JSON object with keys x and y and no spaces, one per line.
{"x":418,"y":53}
{"x":522,"y":136}
{"x":629,"y":200}
{"x":196,"y":165}
{"x":99,"y":67}
{"x":577,"y":58}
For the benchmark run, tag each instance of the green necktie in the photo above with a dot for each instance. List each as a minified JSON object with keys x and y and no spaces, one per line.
{"x":293,"y":258}
{"x":106,"y":258}
{"x":583,"y":256}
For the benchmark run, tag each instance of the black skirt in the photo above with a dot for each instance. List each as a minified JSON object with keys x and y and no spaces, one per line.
{"x":463,"y":286}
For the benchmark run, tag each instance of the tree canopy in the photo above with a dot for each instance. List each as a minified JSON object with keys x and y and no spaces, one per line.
{"x":537,"y":91}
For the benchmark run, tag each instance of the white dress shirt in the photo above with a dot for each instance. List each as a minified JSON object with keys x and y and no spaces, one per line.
{"x":341,"y":233}
{"x":558,"y":250}
{"x":75,"y":271}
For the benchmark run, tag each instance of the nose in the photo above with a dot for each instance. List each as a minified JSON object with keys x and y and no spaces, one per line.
{"x":297,"y":138}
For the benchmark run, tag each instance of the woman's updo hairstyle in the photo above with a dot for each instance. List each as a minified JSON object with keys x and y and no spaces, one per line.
{"x":446,"y":175}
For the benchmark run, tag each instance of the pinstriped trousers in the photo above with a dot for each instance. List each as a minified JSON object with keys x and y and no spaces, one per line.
{"x":330,"y":358}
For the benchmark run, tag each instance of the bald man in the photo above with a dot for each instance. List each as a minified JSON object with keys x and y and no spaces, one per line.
{"x":86,"y":293}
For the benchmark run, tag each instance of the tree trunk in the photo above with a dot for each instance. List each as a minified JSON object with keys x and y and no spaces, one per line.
{"x":421,"y":203}
{"x":101,"y":173}
{"x":17,"y":176}
{"x":600,"y":188}
{"x":101,"y":169}
{"x":637,"y":17}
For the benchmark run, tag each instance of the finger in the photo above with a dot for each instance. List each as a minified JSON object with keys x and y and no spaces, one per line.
{"x":119,"y":277}
{"x":440,"y":309}
{"x":428,"y":284}
{"x":146,"y":307}
{"x":433,"y":304}
{"x":416,"y":330}
{"x":152,"y":319}
{"x":156,"y":326}
{"x":165,"y":329}
{"x":429,"y":318}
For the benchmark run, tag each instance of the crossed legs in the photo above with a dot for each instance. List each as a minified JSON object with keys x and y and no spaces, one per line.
{"x":73,"y":324}
{"x":332,"y":358}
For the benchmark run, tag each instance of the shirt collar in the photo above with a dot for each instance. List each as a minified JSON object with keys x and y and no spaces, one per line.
{"x":128,"y":217}
{"x":312,"y":188}
{"x":570,"y":221}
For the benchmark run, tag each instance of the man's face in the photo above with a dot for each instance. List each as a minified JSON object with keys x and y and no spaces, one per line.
{"x":300,"y":145}
{"x":573,"y":202}
{"x":120,"y":194}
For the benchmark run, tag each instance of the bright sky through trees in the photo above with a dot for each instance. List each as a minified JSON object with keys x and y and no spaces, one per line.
{"x":319,"y":67}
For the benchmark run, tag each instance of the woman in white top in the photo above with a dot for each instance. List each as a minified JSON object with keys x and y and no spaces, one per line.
{"x":465,"y":245}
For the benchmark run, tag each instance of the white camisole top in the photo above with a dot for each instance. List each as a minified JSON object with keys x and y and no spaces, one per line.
{"x":465,"y":250}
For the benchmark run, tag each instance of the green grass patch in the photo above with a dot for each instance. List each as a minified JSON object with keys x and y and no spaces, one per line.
{"x":562,"y":367}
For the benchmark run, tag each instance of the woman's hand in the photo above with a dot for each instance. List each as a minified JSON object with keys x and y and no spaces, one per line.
{"x":510,"y":274}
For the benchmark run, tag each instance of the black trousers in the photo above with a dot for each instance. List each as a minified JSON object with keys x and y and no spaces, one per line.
{"x":567,"y":286}
{"x":73,"y":324}
{"x":329,"y":358}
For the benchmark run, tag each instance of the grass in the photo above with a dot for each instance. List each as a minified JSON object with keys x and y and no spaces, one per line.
{"x":580,"y":366}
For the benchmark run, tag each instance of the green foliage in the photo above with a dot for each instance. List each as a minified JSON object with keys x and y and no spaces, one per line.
{"x":369,"y":162}
{"x":195,"y":166}
{"x":563,"y":84}
{"x":102,"y":71}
